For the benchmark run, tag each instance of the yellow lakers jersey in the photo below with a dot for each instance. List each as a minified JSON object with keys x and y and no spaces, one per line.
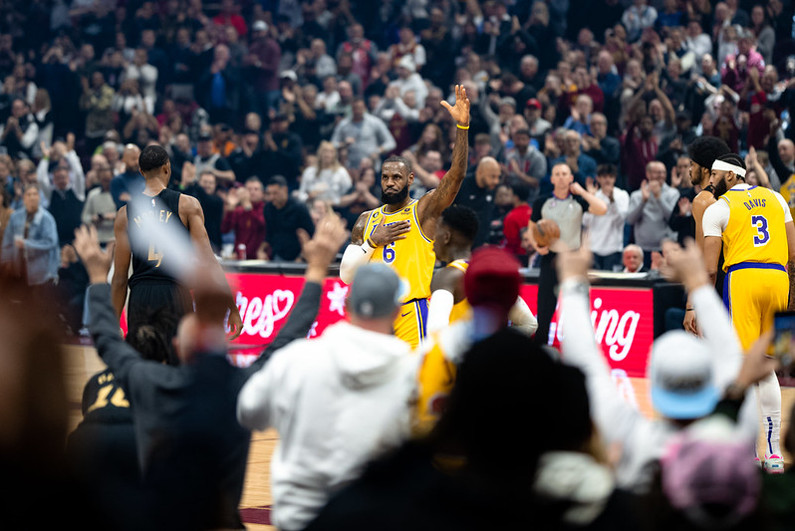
{"x":755,"y":231}
{"x":462,"y":309}
{"x":411,"y":258}
{"x":440,"y":357}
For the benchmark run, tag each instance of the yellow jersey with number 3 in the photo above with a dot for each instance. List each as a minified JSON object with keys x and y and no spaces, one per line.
{"x":756,"y":230}
{"x":412,"y":258}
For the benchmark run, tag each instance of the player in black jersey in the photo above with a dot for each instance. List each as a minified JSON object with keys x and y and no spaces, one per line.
{"x":152,"y":284}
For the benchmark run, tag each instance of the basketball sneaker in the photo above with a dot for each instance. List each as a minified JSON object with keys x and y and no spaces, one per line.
{"x":774,"y":464}
{"x":758,"y":462}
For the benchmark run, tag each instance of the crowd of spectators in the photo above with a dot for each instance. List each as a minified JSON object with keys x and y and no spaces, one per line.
{"x":276,"y":112}
{"x":315,"y":94}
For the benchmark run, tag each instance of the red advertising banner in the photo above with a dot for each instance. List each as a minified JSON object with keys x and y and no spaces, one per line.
{"x":622,"y":318}
{"x":623,"y":321}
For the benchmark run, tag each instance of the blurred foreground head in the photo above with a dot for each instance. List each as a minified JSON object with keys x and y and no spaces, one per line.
{"x":33,"y":404}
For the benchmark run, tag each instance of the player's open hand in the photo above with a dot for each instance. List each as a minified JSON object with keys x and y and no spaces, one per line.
{"x":459,"y":112}
{"x":386,"y":233}
{"x":96,"y":261}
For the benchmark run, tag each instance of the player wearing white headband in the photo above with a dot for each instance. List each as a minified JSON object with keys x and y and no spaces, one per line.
{"x":754,"y":225}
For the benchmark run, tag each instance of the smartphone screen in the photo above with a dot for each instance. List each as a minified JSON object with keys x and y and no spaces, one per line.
{"x":784,"y":325}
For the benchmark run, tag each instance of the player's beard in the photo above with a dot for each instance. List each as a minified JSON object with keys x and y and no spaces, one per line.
{"x":720,"y":188}
{"x":397,"y":197}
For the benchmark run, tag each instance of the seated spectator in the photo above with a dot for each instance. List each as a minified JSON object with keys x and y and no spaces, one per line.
{"x":649,"y":211}
{"x":244,"y":215}
{"x":327,"y":180}
{"x":130,"y":182}
{"x":99,"y":209}
{"x":284,"y":215}
{"x":606,"y":233}
{"x":632,"y":259}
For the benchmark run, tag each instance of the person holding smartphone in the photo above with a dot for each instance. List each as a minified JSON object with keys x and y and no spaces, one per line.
{"x":755,"y":228}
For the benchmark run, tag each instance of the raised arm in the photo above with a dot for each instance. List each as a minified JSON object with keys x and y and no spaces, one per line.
{"x":432,"y":204}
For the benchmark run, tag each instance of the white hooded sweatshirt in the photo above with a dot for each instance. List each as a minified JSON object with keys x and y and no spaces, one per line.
{"x":337,"y":402}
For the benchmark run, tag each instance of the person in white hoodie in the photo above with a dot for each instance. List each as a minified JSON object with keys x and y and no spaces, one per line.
{"x":687,"y":375}
{"x":337,"y":401}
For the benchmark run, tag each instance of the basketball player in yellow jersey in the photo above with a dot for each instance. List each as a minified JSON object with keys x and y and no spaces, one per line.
{"x":401,"y":232}
{"x":754,"y":225}
{"x":491,"y":285}
{"x":455,"y":234}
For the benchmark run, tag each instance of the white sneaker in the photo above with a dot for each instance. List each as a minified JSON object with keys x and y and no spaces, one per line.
{"x":774,"y":464}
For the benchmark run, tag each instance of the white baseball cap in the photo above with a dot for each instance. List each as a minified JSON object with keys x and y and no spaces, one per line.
{"x":681,"y":376}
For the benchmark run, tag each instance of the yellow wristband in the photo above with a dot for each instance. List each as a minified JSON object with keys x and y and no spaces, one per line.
{"x":461,"y":127}
{"x":371,"y":243}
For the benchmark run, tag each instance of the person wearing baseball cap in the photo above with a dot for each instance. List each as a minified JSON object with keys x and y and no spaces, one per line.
{"x":336,"y":400}
{"x":490,"y":283}
{"x":688,"y":375}
{"x":537,"y":125}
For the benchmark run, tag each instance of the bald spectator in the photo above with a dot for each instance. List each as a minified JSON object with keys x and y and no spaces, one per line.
{"x":130,"y":182}
{"x":529,"y":74}
{"x":632,"y":258}
{"x":650,"y":208}
{"x":363,"y":135}
{"x":477,"y":193}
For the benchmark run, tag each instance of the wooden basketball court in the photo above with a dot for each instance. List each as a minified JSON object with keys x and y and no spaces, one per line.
{"x":82,"y":362}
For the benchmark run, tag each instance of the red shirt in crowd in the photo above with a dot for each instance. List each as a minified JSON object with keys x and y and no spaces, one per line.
{"x":249,"y":227}
{"x":235,"y":21}
{"x":511,"y":227}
